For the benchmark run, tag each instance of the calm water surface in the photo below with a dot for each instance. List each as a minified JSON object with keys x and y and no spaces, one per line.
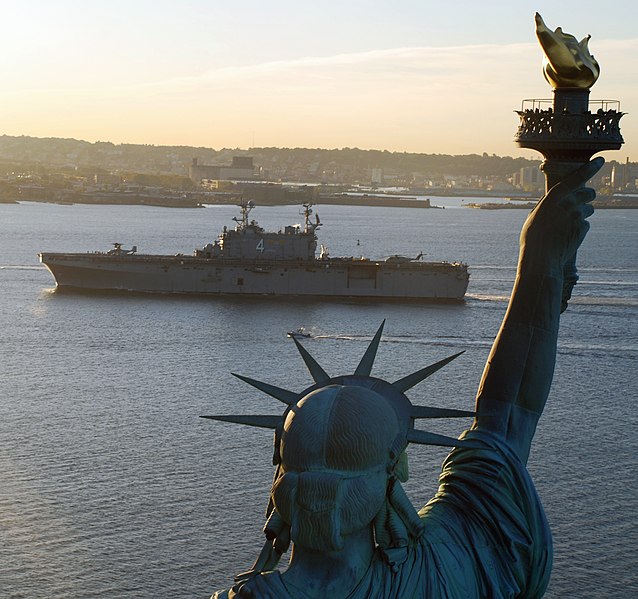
{"x":111,"y":485}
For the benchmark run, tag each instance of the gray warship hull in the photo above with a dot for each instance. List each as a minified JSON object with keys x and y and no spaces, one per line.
{"x":332,"y":277}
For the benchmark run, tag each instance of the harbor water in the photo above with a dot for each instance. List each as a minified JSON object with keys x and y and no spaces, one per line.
{"x":111,"y":486}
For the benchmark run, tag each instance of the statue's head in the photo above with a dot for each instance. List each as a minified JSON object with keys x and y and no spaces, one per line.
{"x":340,"y":455}
{"x":338,"y":449}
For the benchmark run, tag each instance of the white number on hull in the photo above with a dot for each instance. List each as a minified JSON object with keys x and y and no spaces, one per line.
{"x":260,"y":246}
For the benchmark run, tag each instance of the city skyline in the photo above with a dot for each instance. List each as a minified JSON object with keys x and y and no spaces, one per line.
{"x":413,"y":77}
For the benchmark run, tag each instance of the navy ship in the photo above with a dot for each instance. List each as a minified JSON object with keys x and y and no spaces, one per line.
{"x":247,"y":260}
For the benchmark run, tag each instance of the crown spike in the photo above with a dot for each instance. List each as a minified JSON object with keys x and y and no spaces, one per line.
{"x":259,"y":421}
{"x":318,"y":374}
{"x":365,"y":366}
{"x":426,"y":438}
{"x":407,"y":382}
{"x":283,"y":395}
{"x":429,"y":412}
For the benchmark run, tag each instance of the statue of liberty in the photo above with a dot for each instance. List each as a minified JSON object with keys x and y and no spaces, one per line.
{"x":340,"y":456}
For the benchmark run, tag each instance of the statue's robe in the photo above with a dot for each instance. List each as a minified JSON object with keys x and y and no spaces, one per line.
{"x":486,"y":536}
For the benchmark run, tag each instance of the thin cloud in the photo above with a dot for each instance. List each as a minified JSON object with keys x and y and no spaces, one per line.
{"x":444,"y":99}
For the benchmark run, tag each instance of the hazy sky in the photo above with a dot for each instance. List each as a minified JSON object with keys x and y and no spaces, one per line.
{"x":430,"y":76}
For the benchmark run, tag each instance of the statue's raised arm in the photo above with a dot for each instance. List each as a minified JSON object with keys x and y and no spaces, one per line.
{"x":518,"y":374}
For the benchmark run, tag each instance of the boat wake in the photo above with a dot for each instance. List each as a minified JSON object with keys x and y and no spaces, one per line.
{"x":484,"y":297}
{"x":604,"y":301}
{"x":21,"y":267}
{"x":576,"y":300}
{"x":447,"y":341}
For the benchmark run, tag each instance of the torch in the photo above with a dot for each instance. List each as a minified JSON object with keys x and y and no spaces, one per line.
{"x":568,"y":129}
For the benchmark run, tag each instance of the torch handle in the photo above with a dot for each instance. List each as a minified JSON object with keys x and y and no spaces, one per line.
{"x":555,"y":171}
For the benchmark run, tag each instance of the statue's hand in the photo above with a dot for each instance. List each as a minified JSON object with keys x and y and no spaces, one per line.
{"x":556,"y":227}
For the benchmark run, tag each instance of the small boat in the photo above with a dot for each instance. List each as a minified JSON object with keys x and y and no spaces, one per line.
{"x":300,"y":333}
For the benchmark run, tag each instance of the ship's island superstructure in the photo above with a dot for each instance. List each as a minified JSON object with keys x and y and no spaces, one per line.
{"x":247,"y":260}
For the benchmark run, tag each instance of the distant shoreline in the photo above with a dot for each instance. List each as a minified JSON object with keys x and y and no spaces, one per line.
{"x":614,"y":203}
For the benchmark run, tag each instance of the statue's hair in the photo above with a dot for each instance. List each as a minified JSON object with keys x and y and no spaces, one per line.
{"x":323,"y":507}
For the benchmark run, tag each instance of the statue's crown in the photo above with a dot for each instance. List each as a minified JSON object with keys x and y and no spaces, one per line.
{"x":393,"y":394}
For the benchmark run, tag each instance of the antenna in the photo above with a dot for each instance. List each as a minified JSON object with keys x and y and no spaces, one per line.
{"x":307,"y":213}
{"x":245,"y":208}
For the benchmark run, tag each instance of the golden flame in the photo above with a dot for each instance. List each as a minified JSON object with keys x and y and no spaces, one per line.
{"x":567,"y":61}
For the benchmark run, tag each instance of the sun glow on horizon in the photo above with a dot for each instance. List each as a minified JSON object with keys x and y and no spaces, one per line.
{"x":458,"y":98}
